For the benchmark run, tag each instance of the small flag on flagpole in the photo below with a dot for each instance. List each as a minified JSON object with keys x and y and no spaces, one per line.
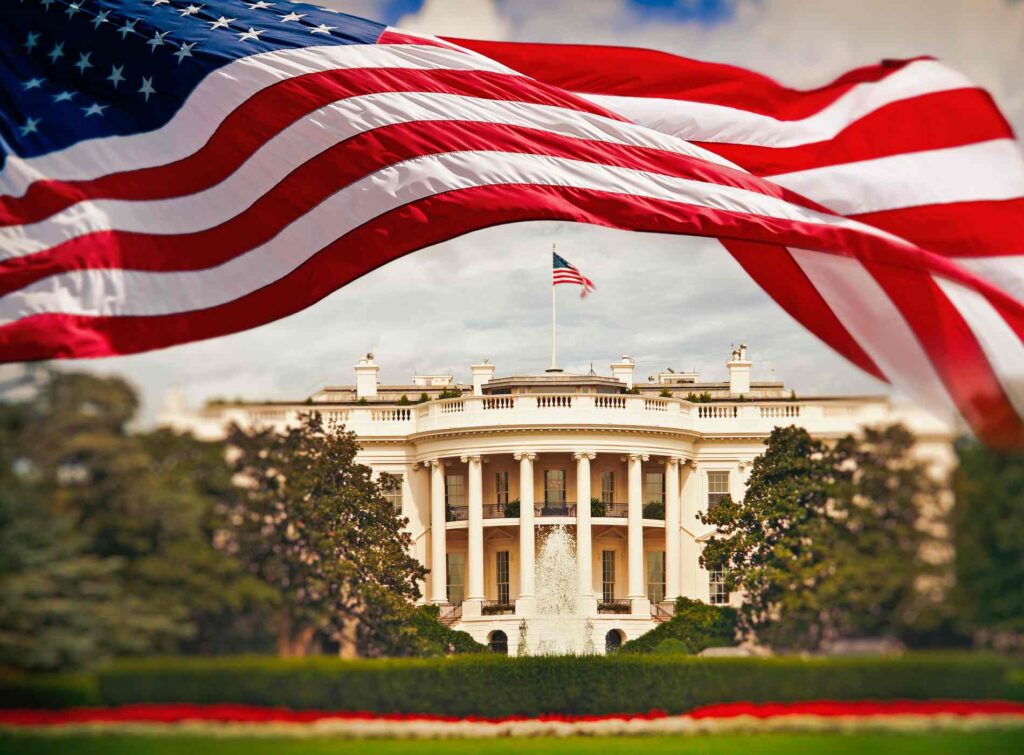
{"x":565,"y":272}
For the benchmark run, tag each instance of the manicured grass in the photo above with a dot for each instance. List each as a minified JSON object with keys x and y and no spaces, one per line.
{"x":949,"y":743}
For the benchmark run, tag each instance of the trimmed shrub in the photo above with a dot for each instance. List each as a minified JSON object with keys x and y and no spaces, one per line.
{"x":19,"y":690}
{"x":672,"y":646}
{"x":695,"y":624}
{"x":492,"y":685}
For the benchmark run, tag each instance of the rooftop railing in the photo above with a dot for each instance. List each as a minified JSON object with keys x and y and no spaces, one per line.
{"x":584,"y":409}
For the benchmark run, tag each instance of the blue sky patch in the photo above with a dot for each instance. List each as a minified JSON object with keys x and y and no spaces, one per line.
{"x":705,"y":12}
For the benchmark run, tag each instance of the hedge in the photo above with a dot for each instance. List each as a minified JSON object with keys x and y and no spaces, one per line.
{"x":497,"y":686}
{"x":18,"y":690}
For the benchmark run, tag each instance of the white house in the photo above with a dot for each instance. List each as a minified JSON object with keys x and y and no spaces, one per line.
{"x":624,"y":465}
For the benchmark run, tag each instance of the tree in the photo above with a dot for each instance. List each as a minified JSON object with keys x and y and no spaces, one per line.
{"x":313,"y":524}
{"x":988,"y":533}
{"x":110,"y":533}
{"x":827,"y":542}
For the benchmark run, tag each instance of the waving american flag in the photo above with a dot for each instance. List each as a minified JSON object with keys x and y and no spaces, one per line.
{"x":564,"y":272}
{"x":179,"y":170}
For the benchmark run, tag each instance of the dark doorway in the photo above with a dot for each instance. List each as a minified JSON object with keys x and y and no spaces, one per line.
{"x":612,"y":641}
{"x":498,"y":642}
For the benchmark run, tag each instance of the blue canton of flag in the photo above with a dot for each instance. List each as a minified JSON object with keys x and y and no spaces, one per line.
{"x":79,"y":69}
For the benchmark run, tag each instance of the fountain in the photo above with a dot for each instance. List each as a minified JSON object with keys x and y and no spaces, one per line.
{"x":559,"y":626}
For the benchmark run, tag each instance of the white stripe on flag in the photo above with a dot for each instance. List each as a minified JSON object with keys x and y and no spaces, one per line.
{"x":700,"y":121}
{"x":989,"y":170}
{"x":1001,"y":345}
{"x":866,"y":311}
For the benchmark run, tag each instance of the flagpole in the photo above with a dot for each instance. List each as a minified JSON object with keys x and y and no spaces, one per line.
{"x":554,"y":361}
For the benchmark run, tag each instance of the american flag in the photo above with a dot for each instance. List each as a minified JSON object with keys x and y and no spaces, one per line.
{"x":177,"y":170}
{"x":562,"y":271}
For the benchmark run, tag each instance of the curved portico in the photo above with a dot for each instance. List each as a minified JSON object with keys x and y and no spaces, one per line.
{"x":621,"y":500}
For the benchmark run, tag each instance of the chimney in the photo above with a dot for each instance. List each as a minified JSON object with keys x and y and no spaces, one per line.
{"x":366,"y":377}
{"x":623,"y":370}
{"x":739,"y":372}
{"x":482,"y":373}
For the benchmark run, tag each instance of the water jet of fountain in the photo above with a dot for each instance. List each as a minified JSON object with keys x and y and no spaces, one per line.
{"x":559,"y":627}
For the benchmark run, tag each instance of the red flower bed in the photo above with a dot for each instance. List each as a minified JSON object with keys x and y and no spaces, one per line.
{"x":224,"y":713}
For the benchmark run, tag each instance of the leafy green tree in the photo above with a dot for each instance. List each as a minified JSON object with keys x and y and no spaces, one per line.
{"x":988,"y":533}
{"x":314,"y":525}
{"x":827,"y":542}
{"x":131,"y":515}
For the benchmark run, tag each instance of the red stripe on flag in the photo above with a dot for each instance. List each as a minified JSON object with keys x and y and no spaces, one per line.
{"x":932,"y":121}
{"x":635,"y":72}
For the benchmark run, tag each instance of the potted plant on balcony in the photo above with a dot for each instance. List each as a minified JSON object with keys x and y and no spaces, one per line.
{"x":654,"y":510}
{"x":598,"y":507}
{"x":512,"y":509}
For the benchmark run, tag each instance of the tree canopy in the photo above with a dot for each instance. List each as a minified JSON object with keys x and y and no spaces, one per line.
{"x":828,"y":541}
{"x":988,"y":527}
{"x":314,"y":525}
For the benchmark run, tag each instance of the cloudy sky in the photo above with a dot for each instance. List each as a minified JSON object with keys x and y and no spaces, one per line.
{"x":668,"y":301}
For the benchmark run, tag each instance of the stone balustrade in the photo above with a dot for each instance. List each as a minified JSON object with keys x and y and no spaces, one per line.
{"x":580,"y":410}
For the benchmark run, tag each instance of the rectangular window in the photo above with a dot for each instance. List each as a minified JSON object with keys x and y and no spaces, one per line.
{"x":656,"y":576}
{"x":554,"y":486}
{"x":607,"y":576}
{"x":607,"y":487}
{"x":502,"y":572}
{"x":501,"y":487}
{"x":456,"y":578}
{"x":455,"y":490}
{"x":654,"y":487}
{"x":718,"y":595}
{"x":392,"y":486}
{"x":718,"y":488}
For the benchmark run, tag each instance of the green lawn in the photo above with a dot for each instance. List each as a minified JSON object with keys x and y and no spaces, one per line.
{"x":982,"y":743}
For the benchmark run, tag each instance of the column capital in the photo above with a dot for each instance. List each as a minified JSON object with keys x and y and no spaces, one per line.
{"x":589,"y":455}
{"x":672,"y":461}
{"x":692,"y":463}
{"x":528,"y":455}
{"x":639,"y":457}
{"x":432,"y":463}
{"x":468,"y":459}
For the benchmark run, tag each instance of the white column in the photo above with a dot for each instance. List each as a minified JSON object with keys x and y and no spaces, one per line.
{"x":527,"y":554}
{"x":438,"y":547}
{"x":584,"y":547}
{"x":475,"y":556}
{"x":689,"y":505}
{"x":672,"y":556}
{"x":635,"y":536}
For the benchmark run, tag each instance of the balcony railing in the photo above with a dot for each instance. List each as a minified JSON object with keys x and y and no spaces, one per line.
{"x":619,"y":605}
{"x":501,"y":510}
{"x":456,"y":513}
{"x":497,"y":607}
{"x":450,"y":614}
{"x":555,"y":509}
{"x":610,"y":510}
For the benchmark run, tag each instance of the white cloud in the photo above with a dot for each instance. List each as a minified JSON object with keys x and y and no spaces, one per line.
{"x":479,"y":19}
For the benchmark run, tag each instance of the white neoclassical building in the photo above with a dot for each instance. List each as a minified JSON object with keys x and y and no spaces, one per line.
{"x":625,"y":466}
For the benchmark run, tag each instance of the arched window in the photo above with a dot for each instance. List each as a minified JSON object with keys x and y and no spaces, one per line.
{"x":612,"y":641}
{"x":497,"y":641}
